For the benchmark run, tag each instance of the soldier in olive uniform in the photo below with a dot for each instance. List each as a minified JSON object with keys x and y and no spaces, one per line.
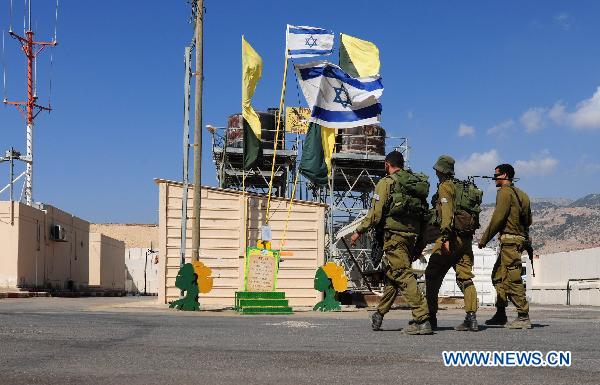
{"x":452,"y":249}
{"x":402,"y":241}
{"x":511,"y":220}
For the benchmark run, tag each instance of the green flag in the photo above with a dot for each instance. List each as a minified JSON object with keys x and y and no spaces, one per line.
{"x":317,"y":151}
{"x":251,"y":73}
{"x":252,"y":147}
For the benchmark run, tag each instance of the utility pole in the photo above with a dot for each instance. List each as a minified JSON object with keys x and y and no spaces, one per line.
{"x":198,"y":131}
{"x":187,"y":58}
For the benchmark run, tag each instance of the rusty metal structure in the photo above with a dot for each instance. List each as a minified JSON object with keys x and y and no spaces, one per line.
{"x":228,"y":156}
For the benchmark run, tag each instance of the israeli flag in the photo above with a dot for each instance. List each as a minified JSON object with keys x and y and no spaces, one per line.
{"x":305,"y":41}
{"x":338,"y":100}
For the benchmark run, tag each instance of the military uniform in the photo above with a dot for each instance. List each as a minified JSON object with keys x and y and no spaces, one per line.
{"x":460,"y":257}
{"x":511,"y":220}
{"x":461,"y":250}
{"x":402,"y":240}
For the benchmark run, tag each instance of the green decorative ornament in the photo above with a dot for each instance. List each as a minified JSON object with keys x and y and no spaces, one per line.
{"x":329,"y":279}
{"x":193,"y":279}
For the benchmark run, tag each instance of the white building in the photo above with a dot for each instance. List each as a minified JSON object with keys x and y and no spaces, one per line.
{"x":567,"y":278}
{"x":142,"y":271}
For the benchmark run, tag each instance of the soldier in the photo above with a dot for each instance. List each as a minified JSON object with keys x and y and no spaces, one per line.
{"x":403,"y":225}
{"x":453,"y":248}
{"x":511,"y":219}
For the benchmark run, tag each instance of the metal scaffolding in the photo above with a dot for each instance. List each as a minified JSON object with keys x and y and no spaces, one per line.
{"x":351,"y":185}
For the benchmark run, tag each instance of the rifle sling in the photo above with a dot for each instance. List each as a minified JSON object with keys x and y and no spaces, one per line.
{"x":521,"y":214}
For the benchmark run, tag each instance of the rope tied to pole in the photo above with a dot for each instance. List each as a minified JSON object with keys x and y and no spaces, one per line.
{"x":281,"y":106}
{"x":289,"y":212}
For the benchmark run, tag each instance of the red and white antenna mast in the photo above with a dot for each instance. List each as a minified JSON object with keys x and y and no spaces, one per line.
{"x":30,"y":108}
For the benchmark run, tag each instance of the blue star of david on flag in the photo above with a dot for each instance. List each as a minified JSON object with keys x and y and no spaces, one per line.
{"x":341,"y":96}
{"x":311,"y":41}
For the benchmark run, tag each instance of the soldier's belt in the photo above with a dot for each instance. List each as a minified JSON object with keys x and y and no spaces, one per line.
{"x":511,"y":238}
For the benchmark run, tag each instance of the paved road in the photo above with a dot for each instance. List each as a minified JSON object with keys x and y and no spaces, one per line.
{"x":130,"y":341}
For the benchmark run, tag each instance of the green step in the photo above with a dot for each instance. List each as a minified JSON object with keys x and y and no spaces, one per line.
{"x":263,"y":302}
{"x":271,"y":302}
{"x":267,"y":310}
{"x":260,"y":295}
{"x":267,"y":295}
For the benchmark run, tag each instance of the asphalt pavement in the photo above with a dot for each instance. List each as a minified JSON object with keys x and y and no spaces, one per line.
{"x":134,"y":341}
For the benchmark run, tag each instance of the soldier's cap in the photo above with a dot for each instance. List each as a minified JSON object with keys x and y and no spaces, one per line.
{"x":445,"y":165}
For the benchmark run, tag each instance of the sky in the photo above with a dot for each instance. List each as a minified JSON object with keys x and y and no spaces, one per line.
{"x":485,"y":82}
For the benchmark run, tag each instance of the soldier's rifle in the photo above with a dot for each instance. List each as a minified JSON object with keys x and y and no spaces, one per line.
{"x":360,"y":271}
{"x":492,"y":178}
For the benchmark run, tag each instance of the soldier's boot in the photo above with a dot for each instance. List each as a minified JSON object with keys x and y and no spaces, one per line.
{"x":499,"y":318}
{"x":469,"y":324}
{"x":433,"y":322}
{"x":521,"y":322}
{"x":414,"y":328}
{"x":376,"y":321}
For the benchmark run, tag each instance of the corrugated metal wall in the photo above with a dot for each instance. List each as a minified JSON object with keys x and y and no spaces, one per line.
{"x":223,"y":241}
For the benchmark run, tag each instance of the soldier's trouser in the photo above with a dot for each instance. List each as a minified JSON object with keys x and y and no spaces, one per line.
{"x":461,"y":259}
{"x":400,"y":277}
{"x":506,"y":277}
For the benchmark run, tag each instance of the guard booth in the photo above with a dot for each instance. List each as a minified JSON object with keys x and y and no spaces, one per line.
{"x":230,"y":221}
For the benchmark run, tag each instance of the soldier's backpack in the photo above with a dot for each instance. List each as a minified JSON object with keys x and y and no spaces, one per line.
{"x":409,"y":194}
{"x":467,"y":206}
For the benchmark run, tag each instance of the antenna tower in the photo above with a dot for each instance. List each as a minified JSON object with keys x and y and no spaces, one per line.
{"x":30,"y":108}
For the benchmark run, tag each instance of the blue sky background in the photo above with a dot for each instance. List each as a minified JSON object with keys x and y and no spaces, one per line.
{"x":520,"y":78}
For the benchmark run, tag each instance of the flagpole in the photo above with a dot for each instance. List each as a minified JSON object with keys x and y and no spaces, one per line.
{"x":281,"y":103}
{"x":245,"y":210}
{"x":289,"y":211}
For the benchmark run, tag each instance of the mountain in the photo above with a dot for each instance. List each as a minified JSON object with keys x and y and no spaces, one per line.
{"x":559,"y":224}
{"x":591,"y":201}
{"x":554,"y":201}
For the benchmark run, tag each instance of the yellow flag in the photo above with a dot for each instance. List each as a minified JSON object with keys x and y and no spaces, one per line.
{"x":251,"y":73}
{"x":359,"y":58}
{"x":328,"y":142}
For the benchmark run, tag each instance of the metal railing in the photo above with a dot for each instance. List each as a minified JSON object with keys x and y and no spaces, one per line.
{"x":577,"y":280}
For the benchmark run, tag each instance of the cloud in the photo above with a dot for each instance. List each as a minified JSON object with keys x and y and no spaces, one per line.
{"x":541,"y":163}
{"x":410,"y":114}
{"x":502,"y":128}
{"x":478,"y":163}
{"x":533,"y":119}
{"x":586,"y":115}
{"x":557,"y":113}
{"x":465,"y":130}
{"x":564,"y":21}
